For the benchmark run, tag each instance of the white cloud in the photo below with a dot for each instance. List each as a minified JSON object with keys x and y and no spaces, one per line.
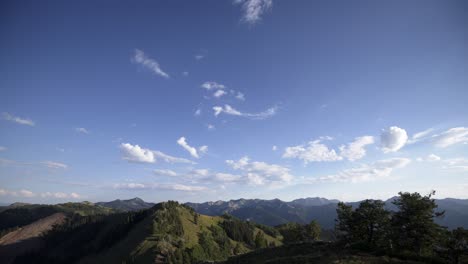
{"x":430,"y":158}
{"x":451,"y":137}
{"x":254,"y":9}
{"x":420,"y":136}
{"x":54,"y":165}
{"x":227,"y":109}
{"x":193,"y":151}
{"x":378,"y":170}
{"x":198,"y":112}
{"x":137,"y":154}
{"x":169,"y":173}
{"x":18,"y":120}
{"x":82,"y":130}
{"x":203,"y":149}
{"x":274,"y":148}
{"x":313,"y":151}
{"x":131,"y":186}
{"x":2,"y":148}
{"x":199,"y":56}
{"x":356,"y":149}
{"x":134,"y":153}
{"x":240,"y":96}
{"x":210,"y":85}
{"x":459,"y":164}
{"x":157,"y":186}
{"x":210,"y":127}
{"x":29,"y":194}
{"x":148,"y":63}
{"x":26,"y":193}
{"x":219,"y":93}
{"x":185,"y":73}
{"x":393,"y":139}
{"x":260,"y":173}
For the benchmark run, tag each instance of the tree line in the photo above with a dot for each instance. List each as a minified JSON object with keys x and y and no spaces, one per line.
{"x":409,"y":232}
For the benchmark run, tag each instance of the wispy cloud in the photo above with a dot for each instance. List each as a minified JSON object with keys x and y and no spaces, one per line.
{"x":170,"y":173}
{"x":149,"y":186}
{"x":429,"y":158}
{"x":48,"y":164}
{"x":82,"y":130}
{"x":254,"y":9}
{"x":451,"y":137}
{"x":378,"y":170}
{"x":212,"y":85}
{"x":29,"y":194}
{"x":18,"y":120}
{"x":219,"y":93}
{"x":199,"y":56}
{"x":54,"y":165}
{"x":419,"y":136}
{"x":2,"y":148}
{"x":152,"y":65}
{"x":227,"y":109}
{"x":192,"y":150}
{"x":135,"y":153}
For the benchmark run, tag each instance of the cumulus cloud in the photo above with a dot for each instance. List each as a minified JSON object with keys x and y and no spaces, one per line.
{"x":393,"y":139}
{"x":169,"y":173}
{"x":227,"y":109}
{"x":192,"y":150}
{"x":82,"y":130}
{"x":219,"y":93}
{"x":356,"y":149}
{"x":54,"y":165}
{"x":210,"y":85}
{"x":148,"y":63}
{"x":313,"y":151}
{"x":18,"y":120}
{"x":261,"y":173}
{"x":135,"y":153}
{"x":253,"y":9}
{"x":451,"y":137}
{"x":378,"y":170}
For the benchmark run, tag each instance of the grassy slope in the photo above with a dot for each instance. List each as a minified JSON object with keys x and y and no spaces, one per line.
{"x":140,"y":244}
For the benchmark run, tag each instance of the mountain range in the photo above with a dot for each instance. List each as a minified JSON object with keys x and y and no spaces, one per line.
{"x":275,"y":212}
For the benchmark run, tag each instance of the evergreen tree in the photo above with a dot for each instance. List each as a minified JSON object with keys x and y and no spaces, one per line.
{"x":313,"y":230}
{"x":371,"y":221}
{"x":413,"y":224}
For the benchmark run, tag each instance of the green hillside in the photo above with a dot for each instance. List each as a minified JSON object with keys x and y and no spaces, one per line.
{"x":166,"y":233}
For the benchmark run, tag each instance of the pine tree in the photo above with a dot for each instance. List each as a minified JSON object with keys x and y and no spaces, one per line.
{"x":413,"y":224}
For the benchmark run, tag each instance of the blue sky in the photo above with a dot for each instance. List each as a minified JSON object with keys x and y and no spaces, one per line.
{"x":207,"y":100}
